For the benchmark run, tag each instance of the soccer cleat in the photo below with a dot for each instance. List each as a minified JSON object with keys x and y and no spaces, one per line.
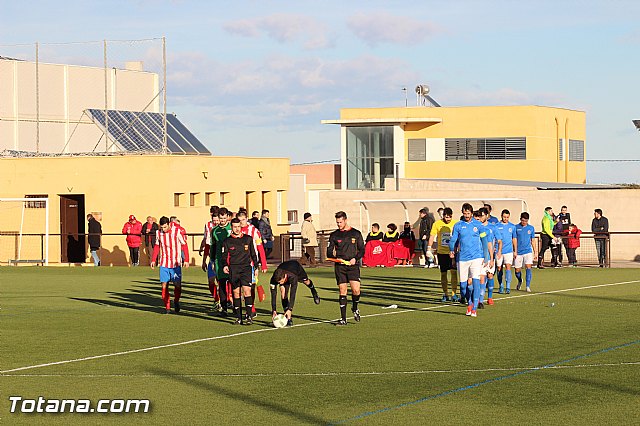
{"x":474,"y":314}
{"x":528,"y":289}
{"x":316,"y":298}
{"x":508,"y":291}
{"x":340,"y":323}
{"x":176,"y":305}
{"x":254,"y":314}
{"x":518,"y":286}
{"x":500,"y":290}
{"x":238,"y":321}
{"x":469,"y":309}
{"x":444,"y":298}
{"x":489,"y":301}
{"x":356,"y":315}
{"x":248,"y":320}
{"x":480,"y":305}
{"x":463,"y":301}
{"x":290,"y":323}
{"x":455,"y":298}
{"x":216,"y":307}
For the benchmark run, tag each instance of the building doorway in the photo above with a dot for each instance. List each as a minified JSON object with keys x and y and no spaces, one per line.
{"x":72,"y":228}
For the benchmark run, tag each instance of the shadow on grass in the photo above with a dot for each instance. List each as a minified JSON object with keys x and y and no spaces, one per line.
{"x":610,"y":387}
{"x":266,"y":403}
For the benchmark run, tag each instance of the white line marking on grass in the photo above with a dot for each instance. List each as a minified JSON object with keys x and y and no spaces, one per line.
{"x":336,"y":373}
{"x":225,"y":336}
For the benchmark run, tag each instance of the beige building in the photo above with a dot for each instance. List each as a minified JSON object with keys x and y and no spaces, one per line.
{"x":307,"y":181}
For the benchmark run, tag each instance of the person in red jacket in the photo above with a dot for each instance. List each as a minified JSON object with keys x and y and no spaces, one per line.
{"x":573,"y":242}
{"x":133,"y":230}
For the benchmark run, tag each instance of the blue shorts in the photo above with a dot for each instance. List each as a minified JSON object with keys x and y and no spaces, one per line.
{"x":211,"y":272}
{"x":170,"y":274}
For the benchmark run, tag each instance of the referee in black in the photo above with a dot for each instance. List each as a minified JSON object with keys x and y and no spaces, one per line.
{"x":238,"y":255}
{"x":346,"y":244}
{"x":288,"y":274}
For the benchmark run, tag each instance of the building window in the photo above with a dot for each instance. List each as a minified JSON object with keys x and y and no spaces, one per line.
{"x":208,"y":198}
{"x":486,"y":149}
{"x":292,"y":216}
{"x":224,"y":198}
{"x":561,"y":149}
{"x":35,"y":204}
{"x":576,"y":150}
{"x":193,"y":199}
{"x":417,"y":150}
{"x":176,"y":198}
{"x":369,"y":157}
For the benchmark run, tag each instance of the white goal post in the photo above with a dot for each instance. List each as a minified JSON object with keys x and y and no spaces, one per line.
{"x":24,"y":230}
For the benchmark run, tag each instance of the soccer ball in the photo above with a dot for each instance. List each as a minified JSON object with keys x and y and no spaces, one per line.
{"x":280,"y":321}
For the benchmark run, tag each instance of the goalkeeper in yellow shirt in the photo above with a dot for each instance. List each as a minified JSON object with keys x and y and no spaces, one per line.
{"x":443,"y":229}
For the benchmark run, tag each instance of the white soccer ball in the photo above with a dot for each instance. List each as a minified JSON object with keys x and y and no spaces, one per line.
{"x":280,"y":321}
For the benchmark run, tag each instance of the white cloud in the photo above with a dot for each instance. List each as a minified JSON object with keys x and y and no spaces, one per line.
{"x":284,"y":28}
{"x":382,"y":27}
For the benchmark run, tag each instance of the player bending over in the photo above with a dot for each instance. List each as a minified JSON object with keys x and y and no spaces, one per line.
{"x":346,"y":244}
{"x":169,"y":240}
{"x":288,"y":275}
{"x":238,"y":256}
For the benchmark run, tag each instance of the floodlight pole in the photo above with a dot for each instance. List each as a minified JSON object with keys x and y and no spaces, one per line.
{"x":106,"y":100}
{"x":37,"y":98}
{"x":164,"y":95}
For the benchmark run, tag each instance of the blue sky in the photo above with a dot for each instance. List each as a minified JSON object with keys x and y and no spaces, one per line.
{"x":256,"y":77}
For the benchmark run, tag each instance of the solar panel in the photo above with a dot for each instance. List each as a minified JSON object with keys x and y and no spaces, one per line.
{"x":636,"y":123}
{"x":143,"y":131}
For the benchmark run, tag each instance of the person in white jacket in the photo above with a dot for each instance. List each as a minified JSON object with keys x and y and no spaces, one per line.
{"x":309,"y":241}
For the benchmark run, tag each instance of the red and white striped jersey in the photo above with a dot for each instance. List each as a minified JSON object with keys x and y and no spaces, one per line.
{"x":171,"y":244}
{"x":253,"y":232}
{"x":207,"y":232}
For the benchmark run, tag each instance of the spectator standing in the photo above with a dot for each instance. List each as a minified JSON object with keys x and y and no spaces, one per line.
{"x":546,"y":236}
{"x":573,"y":242}
{"x":556,"y":244}
{"x":95,"y":233}
{"x":255,"y":218}
{"x":565,"y":218}
{"x":426,"y":221}
{"x":264,"y":226}
{"x":600,"y":229}
{"x":133,"y":230}
{"x":149,"y":236}
{"x":309,"y":240}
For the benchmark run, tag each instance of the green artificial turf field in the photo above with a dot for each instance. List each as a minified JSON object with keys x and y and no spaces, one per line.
{"x":101,"y":334}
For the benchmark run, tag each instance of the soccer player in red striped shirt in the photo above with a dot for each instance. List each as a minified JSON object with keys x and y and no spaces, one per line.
{"x":174,"y":251}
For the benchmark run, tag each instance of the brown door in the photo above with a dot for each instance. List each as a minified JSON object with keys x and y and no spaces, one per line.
{"x":72,"y":226}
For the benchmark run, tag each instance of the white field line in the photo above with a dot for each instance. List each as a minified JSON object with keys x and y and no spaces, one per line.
{"x":206,"y":339}
{"x":336,"y":373}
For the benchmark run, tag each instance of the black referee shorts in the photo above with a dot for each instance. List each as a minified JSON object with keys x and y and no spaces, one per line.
{"x":240,"y":277}
{"x":346,"y":273}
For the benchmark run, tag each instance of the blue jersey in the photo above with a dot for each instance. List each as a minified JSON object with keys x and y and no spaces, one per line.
{"x":507,"y":233}
{"x":524,"y":235}
{"x":497,"y":236}
{"x":493,"y":220}
{"x":468,"y":235}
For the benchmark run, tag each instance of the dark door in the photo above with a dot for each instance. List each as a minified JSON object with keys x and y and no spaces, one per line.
{"x":72,"y":226}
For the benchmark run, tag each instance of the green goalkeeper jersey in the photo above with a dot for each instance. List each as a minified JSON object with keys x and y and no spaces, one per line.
{"x":218,"y":235}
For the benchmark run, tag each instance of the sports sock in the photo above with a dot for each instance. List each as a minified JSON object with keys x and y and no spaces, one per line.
{"x":285,"y":303}
{"x":237,"y":307}
{"x":177,"y":291}
{"x":312,"y":288}
{"x":166,"y":298}
{"x":476,"y":292}
{"x":528,"y":276}
{"x":490,"y":284}
{"x":463,"y":289}
{"x":519,"y":277}
{"x":483,"y":287}
{"x":253,"y":291}
{"x":499,"y":277}
{"x":248,"y":301}
{"x":343,"y":307}
{"x":222,"y":292}
{"x":444,"y":283}
{"x":507,"y":278}
{"x":355,"y":299}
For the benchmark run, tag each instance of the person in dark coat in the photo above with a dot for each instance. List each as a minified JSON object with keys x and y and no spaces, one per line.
{"x":149,"y":229}
{"x":95,"y":233}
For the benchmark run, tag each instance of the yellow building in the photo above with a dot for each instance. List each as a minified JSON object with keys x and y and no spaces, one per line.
{"x":531,"y":143}
{"x":116,"y":186}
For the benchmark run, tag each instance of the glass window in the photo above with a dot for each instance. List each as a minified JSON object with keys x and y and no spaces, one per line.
{"x":369,"y":157}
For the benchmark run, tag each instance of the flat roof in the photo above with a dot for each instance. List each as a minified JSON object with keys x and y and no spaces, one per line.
{"x":527,"y":183}
{"x":394,"y":120}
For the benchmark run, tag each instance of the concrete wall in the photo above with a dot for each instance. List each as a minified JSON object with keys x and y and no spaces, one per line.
{"x":143,"y":185}
{"x":617,"y":206}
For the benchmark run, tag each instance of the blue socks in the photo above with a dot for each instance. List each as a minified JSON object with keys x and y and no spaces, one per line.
{"x":463,"y":290}
{"x":507,"y":279}
{"x":528,"y":274}
{"x":499,"y":277}
{"x":519,"y":277}
{"x":476,"y":292}
{"x":490,"y":284}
